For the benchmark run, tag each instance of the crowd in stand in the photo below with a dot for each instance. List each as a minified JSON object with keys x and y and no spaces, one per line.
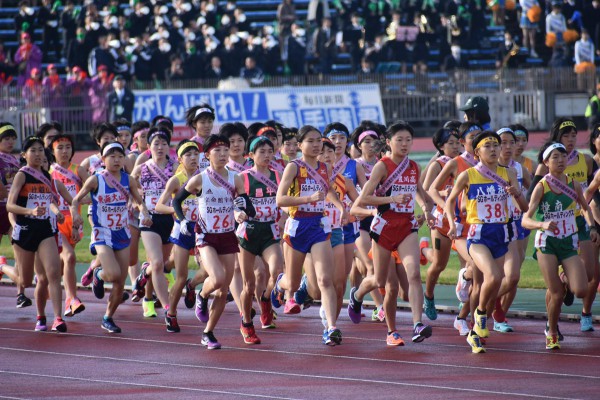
{"x":182,"y":39}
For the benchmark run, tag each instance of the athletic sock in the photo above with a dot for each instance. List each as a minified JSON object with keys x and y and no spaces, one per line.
{"x":587,"y":314}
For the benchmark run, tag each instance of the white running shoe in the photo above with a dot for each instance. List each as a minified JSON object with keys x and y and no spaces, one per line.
{"x":461,"y":326}
{"x":462,"y":287}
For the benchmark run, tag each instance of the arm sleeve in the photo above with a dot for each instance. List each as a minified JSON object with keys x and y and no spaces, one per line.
{"x":249,"y":210}
{"x":181,"y":195}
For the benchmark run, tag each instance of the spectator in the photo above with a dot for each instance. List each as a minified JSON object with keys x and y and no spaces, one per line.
{"x":592,"y":111}
{"x":101,"y":55}
{"x":100,"y":87}
{"x":366,"y":67}
{"x":251,"y":72}
{"x":175,"y":71}
{"x":68,"y":24}
{"x":120,"y":101}
{"x":191,"y":61}
{"x":317,"y":11}
{"x":139,"y":19}
{"x":286,"y":16}
{"x":296,"y":50}
{"x":559,"y":56}
{"x":354,"y":40}
{"x":591,"y":21}
{"x":529,"y":25}
{"x":214,"y":71}
{"x":54,"y":88}
{"x":7,"y":67}
{"x":141,"y":55}
{"x":555,"y":22}
{"x":77,"y":89}
{"x":508,"y":52}
{"x":324,"y":46}
{"x":584,"y":49}
{"x":48,"y":17}
{"x":455,"y":60}
{"x":33,"y":90}
{"x":77,"y":52}
{"x":25,"y":20}
{"x":230,"y":53}
{"x":28,"y":57}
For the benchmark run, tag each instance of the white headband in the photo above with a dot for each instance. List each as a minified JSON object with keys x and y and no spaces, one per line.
{"x":551,"y":148}
{"x":504,"y":130}
{"x":111,"y":146}
{"x":203,"y":110}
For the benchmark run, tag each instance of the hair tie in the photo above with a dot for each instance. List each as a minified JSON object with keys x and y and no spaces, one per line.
{"x":551,"y":148}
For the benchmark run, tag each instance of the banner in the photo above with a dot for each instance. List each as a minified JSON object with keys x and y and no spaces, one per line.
{"x":291,"y":106}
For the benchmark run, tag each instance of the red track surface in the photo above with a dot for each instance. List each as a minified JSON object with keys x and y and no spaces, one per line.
{"x":147,"y":362}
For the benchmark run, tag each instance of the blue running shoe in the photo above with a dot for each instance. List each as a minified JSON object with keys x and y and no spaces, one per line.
{"x":354,"y":307}
{"x":430,"y":310}
{"x":332,"y":336}
{"x":109,"y":325}
{"x":302,"y":293}
{"x":277,"y":294}
{"x":98,"y":285}
{"x":586,"y":324}
{"x":503,"y":327}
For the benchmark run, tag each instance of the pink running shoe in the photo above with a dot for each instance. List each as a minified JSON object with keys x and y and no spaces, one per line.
{"x":86,"y":279}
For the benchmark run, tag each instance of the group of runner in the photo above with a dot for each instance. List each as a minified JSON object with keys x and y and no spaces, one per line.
{"x":289,"y":216}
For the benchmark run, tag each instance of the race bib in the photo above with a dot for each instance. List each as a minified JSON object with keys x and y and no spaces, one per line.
{"x":333,"y":214}
{"x":565,"y":221}
{"x":266,"y":209}
{"x":491,"y":208}
{"x":151,"y":197}
{"x":42,"y":200}
{"x":409,"y":205}
{"x":114,"y":217}
{"x":378,"y":224}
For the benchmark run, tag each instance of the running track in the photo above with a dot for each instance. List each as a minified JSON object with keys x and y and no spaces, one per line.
{"x":147,"y":362}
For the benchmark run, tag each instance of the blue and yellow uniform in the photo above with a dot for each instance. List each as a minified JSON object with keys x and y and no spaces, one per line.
{"x":338,"y":233}
{"x":487,"y":212}
{"x":351,"y":228}
{"x":579,"y":172}
{"x":187,"y":242}
{"x":307,"y":224}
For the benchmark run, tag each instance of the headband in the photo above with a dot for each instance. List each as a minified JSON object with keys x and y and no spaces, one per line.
{"x":489,"y":139}
{"x":202,"y":111}
{"x":471,"y":129}
{"x":551,"y":148}
{"x":326,"y":141}
{"x":163,"y":120}
{"x":446,"y":135}
{"x":263,"y":130}
{"x":216,"y":144}
{"x":115,"y":145}
{"x":139,"y":132}
{"x":62,"y":139}
{"x":7,"y":128}
{"x":520,"y":133}
{"x":504,"y":130}
{"x":256,"y":141}
{"x":336,"y":132}
{"x":123,"y":128}
{"x":186,"y":146}
{"x":367,"y":133}
{"x":566,"y":124}
{"x":154,"y":134}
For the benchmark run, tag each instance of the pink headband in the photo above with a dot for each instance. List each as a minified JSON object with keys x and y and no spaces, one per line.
{"x":367,"y":133}
{"x":138,"y":133}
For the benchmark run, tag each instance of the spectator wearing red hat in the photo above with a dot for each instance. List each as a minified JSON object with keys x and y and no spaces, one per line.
{"x":78,"y":86}
{"x":33,"y":90}
{"x":100,"y":88}
{"x":27,"y":57}
{"x":54,"y":91}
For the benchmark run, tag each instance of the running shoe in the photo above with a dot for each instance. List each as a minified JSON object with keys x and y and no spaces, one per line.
{"x":266,"y":315}
{"x":59,"y":325}
{"x":332,"y":336}
{"x":430,"y":310}
{"x":230,"y":297}
{"x":157,"y":303}
{"x":210,"y":341}
{"x":462,"y":287}
{"x":560,"y":335}
{"x":323,"y":316}
{"x":302,"y":293}
{"x":394,"y":339}
{"x":498,"y":314}
{"x":68,"y":312}
{"x":586,"y":324}
{"x":291,"y":307}
{"x":421,"y":332}
{"x":148,"y":308}
{"x":139,"y":286}
{"x":249,"y":334}
{"x":423,"y":244}
{"x":98,"y":284}
{"x":552,"y":342}
{"x":378,"y":314}
{"x":277,"y":294}
{"x":190,"y":294}
{"x":109,"y":325}
{"x":461,"y":326}
{"x":23,"y":301}
{"x":201,"y":308}
{"x":88,"y":276}
{"x":503,"y":327}
{"x":40,"y":324}
{"x":77,"y":306}
{"x":354,"y":307}
{"x":480,"y":326}
{"x":475,"y":343}
{"x":569,"y":296}
{"x":172,"y":325}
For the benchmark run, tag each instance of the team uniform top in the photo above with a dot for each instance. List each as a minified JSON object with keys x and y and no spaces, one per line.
{"x":447,"y":185}
{"x":579,"y":172}
{"x":406,"y":183}
{"x":528,"y":165}
{"x":304,"y":185}
{"x":152,"y":185}
{"x":8,"y":170}
{"x":34,"y":193}
{"x":96,"y":164}
{"x":262,"y":197}
{"x":487,"y":201}
{"x":515,"y":211}
{"x":216,"y":206}
{"x":109,"y":205}
{"x":331,"y":211}
{"x":191,"y":202}
{"x":461,"y":165}
{"x":559,"y":208}
{"x":72,"y":186}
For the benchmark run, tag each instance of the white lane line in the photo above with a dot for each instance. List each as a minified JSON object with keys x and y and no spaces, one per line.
{"x":145,"y":385}
{"x":286,"y":374}
{"x":13,"y":398}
